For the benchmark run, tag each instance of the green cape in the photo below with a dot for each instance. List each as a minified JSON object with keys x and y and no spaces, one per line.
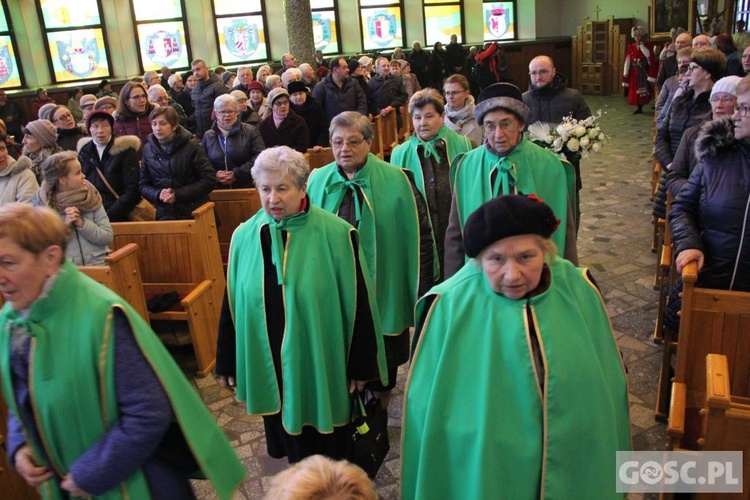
{"x":476,"y":424}
{"x":530,"y":168}
{"x":72,"y":352}
{"x":319,"y":281}
{"x":388,"y":229}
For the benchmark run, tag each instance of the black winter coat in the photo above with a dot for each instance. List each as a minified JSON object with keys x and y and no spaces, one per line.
{"x":292,"y":132}
{"x":236,"y":152}
{"x":555,"y":101}
{"x":683,"y":114}
{"x":119,"y":164}
{"x":182,"y":166}
{"x":316,"y":119}
{"x":204,"y":94}
{"x":712,"y":211}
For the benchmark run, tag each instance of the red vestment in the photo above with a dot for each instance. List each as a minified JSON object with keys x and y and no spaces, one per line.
{"x":640,"y":73}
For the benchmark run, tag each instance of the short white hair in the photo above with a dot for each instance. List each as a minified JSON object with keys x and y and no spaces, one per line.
{"x":173,"y":78}
{"x":290,"y":75}
{"x":154,"y":91}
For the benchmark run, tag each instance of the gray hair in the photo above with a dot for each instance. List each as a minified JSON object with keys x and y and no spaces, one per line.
{"x":290,"y":75}
{"x":154,"y":91}
{"x":148,"y":75}
{"x":245,"y":66}
{"x":226,"y":99}
{"x":352,"y":119}
{"x":424,"y":97}
{"x":304,"y":67}
{"x":173,"y":78}
{"x":271,"y":81}
{"x":284,"y":162}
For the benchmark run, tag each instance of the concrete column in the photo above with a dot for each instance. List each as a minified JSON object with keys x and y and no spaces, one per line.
{"x":299,"y":30}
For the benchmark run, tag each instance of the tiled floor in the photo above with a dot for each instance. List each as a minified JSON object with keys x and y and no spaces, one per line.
{"x":614,"y":241}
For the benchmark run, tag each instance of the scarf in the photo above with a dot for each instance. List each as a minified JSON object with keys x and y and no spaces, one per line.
{"x":463,"y":115}
{"x":38,"y":158}
{"x":86,"y":198}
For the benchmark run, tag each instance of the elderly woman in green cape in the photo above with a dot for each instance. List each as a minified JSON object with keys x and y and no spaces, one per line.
{"x":299,"y":329}
{"x":516,"y":388}
{"x":97,"y":405}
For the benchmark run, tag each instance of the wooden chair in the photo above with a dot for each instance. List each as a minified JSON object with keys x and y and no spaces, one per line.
{"x":377,"y":137}
{"x":233,"y":207}
{"x":406,"y":126}
{"x":182,"y":256}
{"x":390,"y":133}
{"x":320,"y":158}
{"x":726,"y":417}
{"x":120,"y":273}
{"x":711,"y":321}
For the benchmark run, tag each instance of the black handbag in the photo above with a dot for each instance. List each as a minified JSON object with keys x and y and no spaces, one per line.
{"x":367,"y":439}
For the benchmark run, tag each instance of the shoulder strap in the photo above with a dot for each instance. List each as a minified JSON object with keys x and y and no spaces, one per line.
{"x":109,"y":186}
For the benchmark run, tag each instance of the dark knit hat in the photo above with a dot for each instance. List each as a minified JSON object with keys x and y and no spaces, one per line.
{"x":43,"y":131}
{"x":226,"y":76}
{"x":98,"y":115}
{"x":297,"y":86}
{"x":353,"y":65}
{"x":506,"y":216}
{"x":256,"y":85}
{"x":501,"y":96}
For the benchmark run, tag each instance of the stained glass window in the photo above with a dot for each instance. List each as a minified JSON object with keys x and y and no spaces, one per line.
{"x":382,"y":26}
{"x":442,"y":19}
{"x":76,"y":43}
{"x":162,"y":34}
{"x":10,"y":72}
{"x":325,"y":26}
{"x":241,"y":31}
{"x":499,"y":20}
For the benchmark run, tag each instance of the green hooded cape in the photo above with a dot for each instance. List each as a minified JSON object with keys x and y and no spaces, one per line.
{"x":388,"y":229}
{"x":527,"y":169}
{"x":477,"y":424}
{"x":71,"y":384}
{"x":319,"y":281}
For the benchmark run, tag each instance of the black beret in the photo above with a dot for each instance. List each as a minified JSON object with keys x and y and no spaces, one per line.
{"x":501,"y":96}
{"x":506,"y":216}
{"x":296,"y":86}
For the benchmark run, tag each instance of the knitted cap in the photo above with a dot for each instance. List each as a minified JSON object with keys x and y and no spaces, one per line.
{"x":102,"y":101}
{"x":276,"y":93}
{"x":44,"y":110}
{"x":297,"y":87}
{"x":506,"y":216}
{"x":256,"y":85}
{"x":43,"y":131}
{"x":88,"y":100}
{"x":226,"y":76}
{"x":501,"y":96}
{"x":353,"y":65}
{"x":726,"y":85}
{"x":98,"y":115}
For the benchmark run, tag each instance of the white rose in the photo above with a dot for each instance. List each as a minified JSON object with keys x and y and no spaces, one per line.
{"x":596,"y":147}
{"x":585,"y":141}
{"x":560,"y":129}
{"x":558,"y":144}
{"x":574,"y":145}
{"x":549,"y":139}
{"x":593,"y":133}
{"x":579,"y":131}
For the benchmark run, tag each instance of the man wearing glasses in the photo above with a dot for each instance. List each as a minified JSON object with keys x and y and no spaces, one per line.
{"x":508,"y":163}
{"x":549,"y":100}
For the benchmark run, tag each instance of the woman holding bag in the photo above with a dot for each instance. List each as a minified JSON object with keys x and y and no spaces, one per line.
{"x":110,"y":163}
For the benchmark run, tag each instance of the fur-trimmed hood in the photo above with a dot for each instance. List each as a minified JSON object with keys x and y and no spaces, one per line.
{"x":121,"y":144}
{"x":15,"y":166}
{"x":714,"y":136}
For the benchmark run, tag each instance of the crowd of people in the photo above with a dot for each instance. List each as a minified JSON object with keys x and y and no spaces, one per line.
{"x":465,"y":238}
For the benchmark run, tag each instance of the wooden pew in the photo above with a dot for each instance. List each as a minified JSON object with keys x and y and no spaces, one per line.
{"x":120,"y":273}
{"x":389,"y":126}
{"x":726,"y":417}
{"x":376,"y":147}
{"x":182,"y":256}
{"x":319,"y":158}
{"x":711,"y":321}
{"x":233,"y":207}
{"x":406,"y":126}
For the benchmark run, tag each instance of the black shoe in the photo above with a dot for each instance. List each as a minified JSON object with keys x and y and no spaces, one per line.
{"x":638,"y":111}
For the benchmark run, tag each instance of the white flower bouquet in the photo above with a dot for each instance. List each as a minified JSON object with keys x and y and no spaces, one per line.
{"x":571,"y":139}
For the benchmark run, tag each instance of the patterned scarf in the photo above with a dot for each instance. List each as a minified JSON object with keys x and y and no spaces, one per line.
{"x":463,"y":115}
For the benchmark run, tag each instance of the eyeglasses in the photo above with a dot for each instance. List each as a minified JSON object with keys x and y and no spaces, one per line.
{"x":450,"y":93}
{"x":227,"y":112}
{"x":137,"y":97}
{"x":540,"y":72}
{"x":727,"y":99}
{"x":278,"y":104}
{"x":742,"y":110}
{"x":352,"y":143}
{"x":504,"y":125}
{"x":693,"y":67}
{"x":63,"y":117}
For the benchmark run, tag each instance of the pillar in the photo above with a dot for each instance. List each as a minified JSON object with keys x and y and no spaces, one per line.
{"x":299,"y":30}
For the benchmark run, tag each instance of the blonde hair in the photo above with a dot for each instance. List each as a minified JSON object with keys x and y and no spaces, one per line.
{"x":320,"y":478}
{"x":34,"y":229}
{"x":55,"y":168}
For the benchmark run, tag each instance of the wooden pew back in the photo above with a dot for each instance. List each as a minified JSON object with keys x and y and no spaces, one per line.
{"x":233,"y":207}
{"x":320,"y":158}
{"x":389,"y":126}
{"x":376,"y":147}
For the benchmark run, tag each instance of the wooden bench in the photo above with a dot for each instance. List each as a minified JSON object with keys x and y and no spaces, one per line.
{"x":182,"y":256}
{"x":406,"y":126}
{"x":120,"y":273}
{"x":389,"y":126}
{"x":712,"y":321}
{"x":319,"y":158}
{"x":376,"y":147}
{"x":233,"y":207}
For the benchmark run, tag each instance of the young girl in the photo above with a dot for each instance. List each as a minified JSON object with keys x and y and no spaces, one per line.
{"x":66,"y":190}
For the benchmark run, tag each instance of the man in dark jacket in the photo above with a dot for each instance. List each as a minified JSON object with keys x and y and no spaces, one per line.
{"x":178,"y":92}
{"x":338,"y":93}
{"x":208,"y":88}
{"x":387,"y":90}
{"x":12,"y":115}
{"x":455,"y":55}
{"x":549,"y":100}
{"x":669,"y":64}
{"x":420,"y":64}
